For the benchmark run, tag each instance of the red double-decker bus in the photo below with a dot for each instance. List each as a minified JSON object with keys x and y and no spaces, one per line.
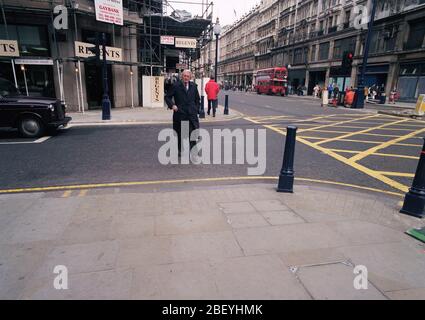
{"x":273,"y":81}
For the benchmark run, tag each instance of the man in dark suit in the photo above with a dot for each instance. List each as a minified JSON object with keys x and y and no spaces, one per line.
{"x":183,"y":98}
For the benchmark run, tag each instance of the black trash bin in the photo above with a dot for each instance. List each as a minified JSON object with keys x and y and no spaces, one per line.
{"x":382,"y":99}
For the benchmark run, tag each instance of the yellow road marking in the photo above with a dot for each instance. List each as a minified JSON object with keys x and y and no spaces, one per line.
{"x":144,"y":183}
{"x":408,"y":145}
{"x":389,"y":129}
{"x":359,"y":167}
{"x":82,"y":193}
{"x":394,"y":156}
{"x":361,"y":132}
{"x":330,"y":125}
{"x":67,"y":194}
{"x":385,"y":145}
{"x":344,"y":151}
{"x":397,"y":174}
{"x":330,"y":131}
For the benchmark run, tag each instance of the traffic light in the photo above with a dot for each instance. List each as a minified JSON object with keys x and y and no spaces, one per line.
{"x":95,"y":50}
{"x":347,"y":60}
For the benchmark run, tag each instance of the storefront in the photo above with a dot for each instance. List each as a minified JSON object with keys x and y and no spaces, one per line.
{"x":341,"y":77}
{"x":296,"y":78}
{"x":411,"y":81}
{"x":316,"y":76}
{"x":31,"y":67}
{"x":376,"y":75}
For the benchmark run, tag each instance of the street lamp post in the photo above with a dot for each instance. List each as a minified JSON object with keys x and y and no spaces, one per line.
{"x":106,"y":103}
{"x":217,"y":31}
{"x":359,"y":100}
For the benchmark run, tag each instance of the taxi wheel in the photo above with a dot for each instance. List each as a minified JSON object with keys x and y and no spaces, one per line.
{"x":30,"y":127}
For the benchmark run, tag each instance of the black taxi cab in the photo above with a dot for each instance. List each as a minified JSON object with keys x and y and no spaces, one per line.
{"x":32,"y":116}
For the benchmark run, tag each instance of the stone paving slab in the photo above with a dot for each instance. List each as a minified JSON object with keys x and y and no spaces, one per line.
{"x":222,"y":242}
{"x":335,"y":282}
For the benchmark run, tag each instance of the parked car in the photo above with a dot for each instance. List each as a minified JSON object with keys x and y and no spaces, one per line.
{"x":32,"y":116}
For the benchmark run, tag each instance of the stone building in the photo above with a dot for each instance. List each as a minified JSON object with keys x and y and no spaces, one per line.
{"x":237,"y":51}
{"x":314,"y":34}
{"x":48,"y":59}
{"x":311,"y":36}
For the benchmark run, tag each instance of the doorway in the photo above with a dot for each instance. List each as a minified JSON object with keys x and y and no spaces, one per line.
{"x":94,"y":85}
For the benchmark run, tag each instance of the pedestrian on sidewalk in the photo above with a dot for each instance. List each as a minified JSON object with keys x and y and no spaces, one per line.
{"x":349,"y":98}
{"x":212,"y":89}
{"x":183,"y":98}
{"x":366,"y":93}
{"x":330,"y":90}
{"x":316,"y":91}
{"x":393,"y":95}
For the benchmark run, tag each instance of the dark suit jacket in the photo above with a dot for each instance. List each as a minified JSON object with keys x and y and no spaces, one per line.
{"x":187,"y":102}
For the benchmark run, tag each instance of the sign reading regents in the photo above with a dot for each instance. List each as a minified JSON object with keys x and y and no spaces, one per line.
{"x":9,"y":48}
{"x":109,"y":11}
{"x":185,"y":43}
{"x":82,"y":51}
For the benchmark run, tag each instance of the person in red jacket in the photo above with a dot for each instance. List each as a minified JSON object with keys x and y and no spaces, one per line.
{"x":212,"y":89}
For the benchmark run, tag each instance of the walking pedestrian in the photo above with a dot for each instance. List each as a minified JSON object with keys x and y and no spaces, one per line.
{"x":366,"y":93}
{"x":212,"y":89}
{"x":393,"y":95}
{"x":183,"y":98}
{"x":316,"y":90}
{"x":330,"y":90}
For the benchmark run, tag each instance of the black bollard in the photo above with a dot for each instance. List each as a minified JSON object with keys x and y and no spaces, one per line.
{"x":286,"y":177}
{"x":414,"y":202}
{"x":202,"y":109}
{"x":226,"y":104}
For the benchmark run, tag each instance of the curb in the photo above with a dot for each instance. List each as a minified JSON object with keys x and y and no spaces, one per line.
{"x":405,"y":114}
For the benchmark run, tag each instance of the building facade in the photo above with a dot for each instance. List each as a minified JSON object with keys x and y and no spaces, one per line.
{"x":311,"y":36}
{"x":236,"y":54}
{"x":49,"y":64}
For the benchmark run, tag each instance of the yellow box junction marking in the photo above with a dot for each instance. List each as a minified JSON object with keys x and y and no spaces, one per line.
{"x":378,"y":122}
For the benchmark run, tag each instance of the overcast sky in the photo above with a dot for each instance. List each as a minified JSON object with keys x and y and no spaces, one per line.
{"x":224,"y":9}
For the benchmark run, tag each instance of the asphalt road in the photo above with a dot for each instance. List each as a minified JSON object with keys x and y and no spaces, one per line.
{"x":94,"y":155}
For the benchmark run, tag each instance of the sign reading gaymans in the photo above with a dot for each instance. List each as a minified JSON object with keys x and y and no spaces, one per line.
{"x":9,"y":48}
{"x":82,"y":51}
{"x":109,"y":11}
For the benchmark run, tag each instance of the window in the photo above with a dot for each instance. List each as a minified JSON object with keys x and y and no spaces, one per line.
{"x":313,"y":53}
{"x":342,"y":45}
{"x":298,"y":55}
{"x":32,"y":40}
{"x":324,"y":51}
{"x":416,"y":35}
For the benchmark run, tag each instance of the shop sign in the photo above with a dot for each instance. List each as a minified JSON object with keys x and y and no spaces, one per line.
{"x":9,"y":48}
{"x":167,"y":40}
{"x":157,"y":86}
{"x":82,"y":51}
{"x":38,"y":62}
{"x":109,"y":11}
{"x":186,"y":43}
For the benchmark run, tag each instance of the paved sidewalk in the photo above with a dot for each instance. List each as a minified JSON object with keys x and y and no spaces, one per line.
{"x":200,"y":242}
{"x":141,"y":116}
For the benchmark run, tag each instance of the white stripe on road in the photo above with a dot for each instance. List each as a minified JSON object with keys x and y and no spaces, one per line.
{"x":41,"y":140}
